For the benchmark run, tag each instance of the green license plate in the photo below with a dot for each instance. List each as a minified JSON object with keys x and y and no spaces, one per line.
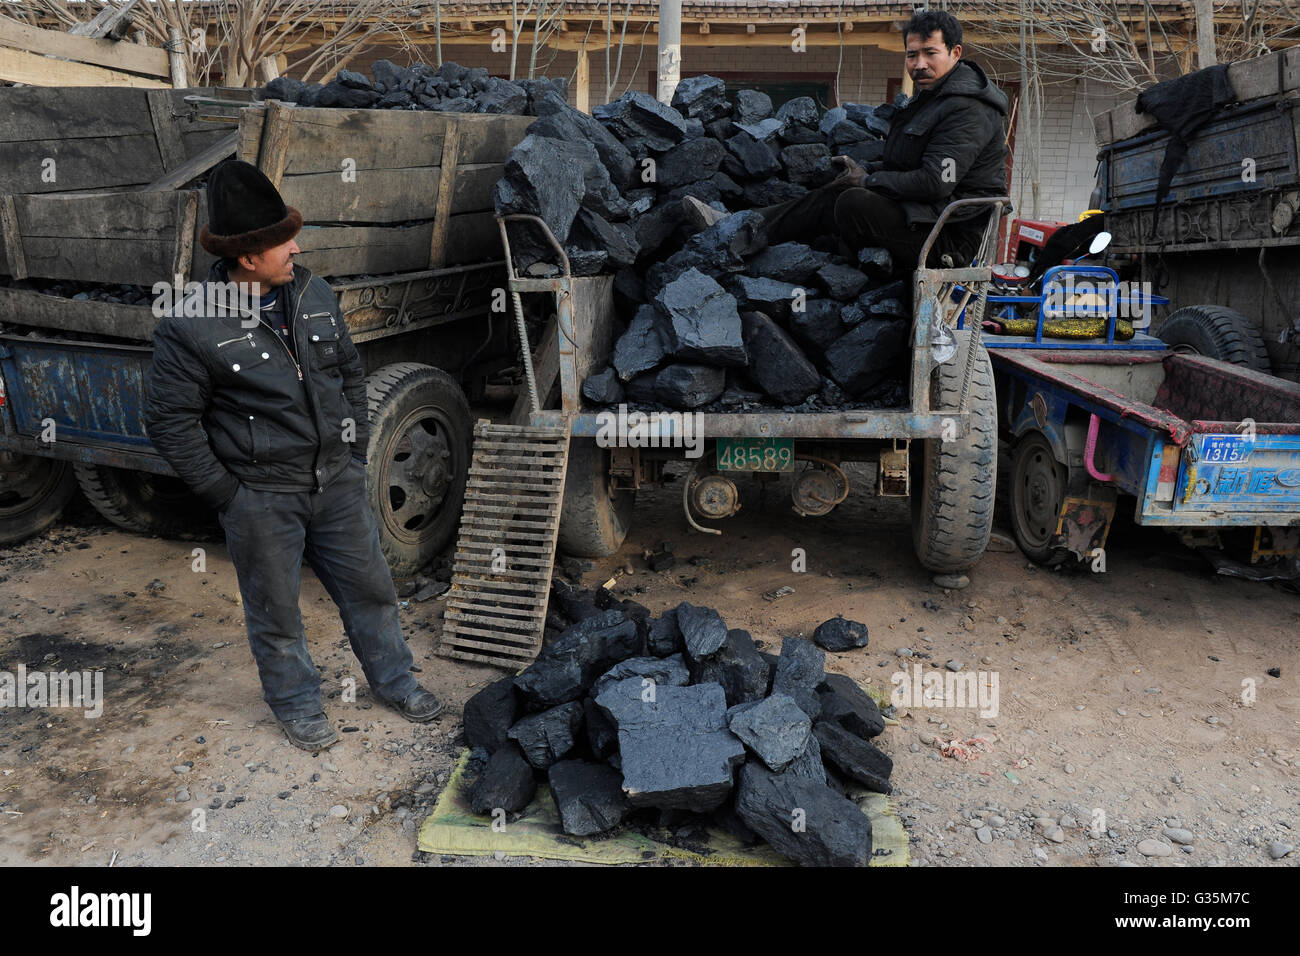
{"x":755,"y":454}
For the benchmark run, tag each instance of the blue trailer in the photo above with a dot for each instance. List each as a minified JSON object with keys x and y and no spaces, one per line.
{"x":1199,"y":443}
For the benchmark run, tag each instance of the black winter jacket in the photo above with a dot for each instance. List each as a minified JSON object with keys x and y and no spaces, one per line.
{"x":227,"y":403}
{"x":959,"y":119}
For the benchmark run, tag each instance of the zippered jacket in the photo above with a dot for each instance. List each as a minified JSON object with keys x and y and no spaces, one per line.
{"x":227,"y":402}
{"x":946,"y":144}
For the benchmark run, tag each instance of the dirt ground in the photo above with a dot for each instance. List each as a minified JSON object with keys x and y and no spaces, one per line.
{"x":1121,"y":708}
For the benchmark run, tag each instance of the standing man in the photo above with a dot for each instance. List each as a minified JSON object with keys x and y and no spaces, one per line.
{"x":258,"y":401}
{"x":946,"y":144}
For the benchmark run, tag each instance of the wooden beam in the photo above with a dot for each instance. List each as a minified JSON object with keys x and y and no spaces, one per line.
{"x":120,"y":56}
{"x":196,"y":166}
{"x":17,"y":66}
{"x":171,"y":150}
{"x":583,"y":82}
{"x":105,"y":22}
{"x":276,"y":132}
{"x":446,"y":185}
{"x":13,"y":240}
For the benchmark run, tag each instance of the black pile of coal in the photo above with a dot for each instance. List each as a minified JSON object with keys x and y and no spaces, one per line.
{"x":677,"y":721}
{"x":716,"y":318}
{"x":449,"y":88}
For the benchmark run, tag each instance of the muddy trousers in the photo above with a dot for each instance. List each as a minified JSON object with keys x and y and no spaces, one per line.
{"x":865,"y":219}
{"x":268,"y":534}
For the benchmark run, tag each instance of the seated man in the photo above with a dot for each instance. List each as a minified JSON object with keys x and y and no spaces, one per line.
{"x":946,"y":144}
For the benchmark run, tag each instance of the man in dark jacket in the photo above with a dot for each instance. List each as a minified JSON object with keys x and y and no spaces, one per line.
{"x":946,"y":144}
{"x":258,"y":402}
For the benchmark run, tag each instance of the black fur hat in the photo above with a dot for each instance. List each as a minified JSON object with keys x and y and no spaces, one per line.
{"x":245,"y":212}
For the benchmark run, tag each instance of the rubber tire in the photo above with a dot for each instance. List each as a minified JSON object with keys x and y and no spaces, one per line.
{"x":1216,"y":332}
{"x":952,"y":509}
{"x":595,"y":519}
{"x":392,"y":394}
{"x":33,"y":515}
{"x":142,"y":502}
{"x":1034,"y":443}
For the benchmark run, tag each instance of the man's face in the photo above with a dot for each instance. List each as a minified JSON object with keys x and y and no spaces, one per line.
{"x":271,"y":268}
{"x":928,"y":59}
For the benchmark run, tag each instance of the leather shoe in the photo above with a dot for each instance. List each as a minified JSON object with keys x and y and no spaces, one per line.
{"x":419,"y":706}
{"x":310,"y":733}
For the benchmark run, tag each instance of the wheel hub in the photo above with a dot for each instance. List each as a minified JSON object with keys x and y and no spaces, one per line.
{"x":417,"y":473}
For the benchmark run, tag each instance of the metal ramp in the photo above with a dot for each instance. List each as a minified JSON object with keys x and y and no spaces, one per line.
{"x":501,"y":576}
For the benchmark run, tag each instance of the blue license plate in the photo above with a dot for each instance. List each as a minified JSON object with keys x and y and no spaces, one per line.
{"x":1225,"y":448}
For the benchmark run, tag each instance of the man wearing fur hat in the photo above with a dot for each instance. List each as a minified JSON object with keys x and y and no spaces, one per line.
{"x":261,"y":409}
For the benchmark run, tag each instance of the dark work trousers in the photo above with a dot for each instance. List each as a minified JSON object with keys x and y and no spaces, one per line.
{"x":865,"y":219}
{"x":268,"y":533}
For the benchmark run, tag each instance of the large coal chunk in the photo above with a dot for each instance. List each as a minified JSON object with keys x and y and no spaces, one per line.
{"x":702,"y":97}
{"x":689,"y":162}
{"x":640,"y":348}
{"x":764,"y":130}
{"x":564,"y":670}
{"x":799,"y":669}
{"x":737,"y":667}
{"x":543,"y":177}
{"x":667,"y":671}
{"x":507,"y":782}
{"x":803,"y":820}
{"x":854,"y":757}
{"x":592,"y":233}
{"x":770,"y":192}
{"x":801,"y":110}
{"x":875,"y":121}
{"x":560,"y":120}
{"x":676,"y":750}
{"x":603,"y":388}
{"x":809,"y":763}
{"x":679,"y":385}
{"x":752,"y":106}
{"x":756,"y":158}
{"x":602,"y":735}
{"x":865,"y":152}
{"x":702,"y":321}
{"x":890,"y":290}
{"x":808,"y":164}
{"x":776,"y":363}
{"x":775,"y":729}
{"x":839,"y":634}
{"x":861,"y":357}
{"x":490,"y":713}
{"x":640,"y":116}
{"x":788,"y":262}
{"x":847,"y":704}
{"x":546,"y":737}
{"x":876,"y":262}
{"x":576,"y":605}
{"x":818,"y":326}
{"x":841,"y":282}
{"x":795,"y":135}
{"x":589,"y":797}
{"x":774,"y":299}
{"x":283,"y":88}
{"x":830,"y":118}
{"x":703,"y":631}
{"x":653,"y":228}
{"x":665,"y":636}
{"x":848,"y":134}
{"x":723,"y":246}
{"x":502,"y":96}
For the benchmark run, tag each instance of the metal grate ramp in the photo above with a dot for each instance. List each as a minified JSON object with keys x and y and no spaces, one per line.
{"x":501,"y":576}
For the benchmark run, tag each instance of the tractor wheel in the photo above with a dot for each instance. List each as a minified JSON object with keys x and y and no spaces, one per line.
{"x":954,"y":481}
{"x":595,"y":518}
{"x":33,"y":493}
{"x":419,"y":456}
{"x":1218,"y":333}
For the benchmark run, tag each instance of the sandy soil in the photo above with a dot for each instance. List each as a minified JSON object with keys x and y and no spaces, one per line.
{"x":1120,"y":713}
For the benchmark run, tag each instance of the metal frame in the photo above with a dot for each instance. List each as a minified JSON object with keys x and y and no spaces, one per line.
{"x":918,"y":421}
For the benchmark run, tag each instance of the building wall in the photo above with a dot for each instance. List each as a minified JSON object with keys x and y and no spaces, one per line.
{"x":1066,"y":151}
